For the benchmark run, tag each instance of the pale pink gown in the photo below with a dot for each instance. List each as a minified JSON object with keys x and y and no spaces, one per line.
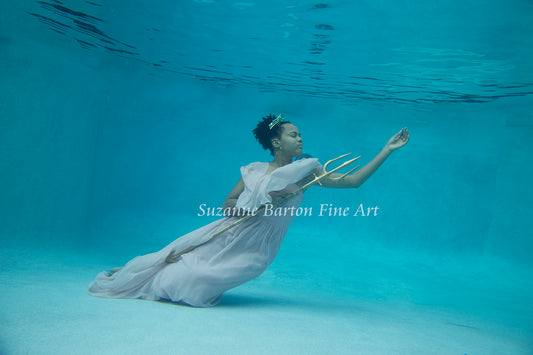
{"x":234,"y":257}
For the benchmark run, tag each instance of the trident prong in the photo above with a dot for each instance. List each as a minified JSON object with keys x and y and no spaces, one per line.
{"x":326,"y":173}
{"x":340,"y":166}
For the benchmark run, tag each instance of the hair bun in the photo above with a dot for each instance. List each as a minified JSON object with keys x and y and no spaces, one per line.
{"x":264,"y":134}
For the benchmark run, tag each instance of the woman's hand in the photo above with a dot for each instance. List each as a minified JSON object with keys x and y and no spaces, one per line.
{"x":398,"y":140}
{"x":172,"y":257}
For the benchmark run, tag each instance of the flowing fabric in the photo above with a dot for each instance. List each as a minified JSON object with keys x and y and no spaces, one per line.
{"x":232,"y":258}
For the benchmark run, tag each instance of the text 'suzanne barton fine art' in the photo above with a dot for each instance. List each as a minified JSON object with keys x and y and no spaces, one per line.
{"x":322,"y":210}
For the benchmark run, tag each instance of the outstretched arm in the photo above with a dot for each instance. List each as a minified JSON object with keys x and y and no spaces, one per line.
{"x":360,"y":176}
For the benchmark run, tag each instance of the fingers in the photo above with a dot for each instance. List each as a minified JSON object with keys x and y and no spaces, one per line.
{"x":404,"y":134}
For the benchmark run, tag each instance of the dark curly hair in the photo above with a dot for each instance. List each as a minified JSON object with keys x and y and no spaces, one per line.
{"x":264,"y":134}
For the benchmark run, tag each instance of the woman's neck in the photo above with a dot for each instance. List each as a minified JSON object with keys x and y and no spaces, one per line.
{"x":281,"y":160}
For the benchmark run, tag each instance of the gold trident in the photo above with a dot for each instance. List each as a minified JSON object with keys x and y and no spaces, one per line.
{"x":173,"y":258}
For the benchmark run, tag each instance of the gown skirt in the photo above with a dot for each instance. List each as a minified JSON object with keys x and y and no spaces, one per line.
{"x":242,"y":253}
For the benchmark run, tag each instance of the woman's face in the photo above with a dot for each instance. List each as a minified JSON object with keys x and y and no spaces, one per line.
{"x":290,"y":141}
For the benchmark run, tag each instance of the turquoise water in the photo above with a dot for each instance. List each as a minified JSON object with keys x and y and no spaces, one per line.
{"x":119,"y":120}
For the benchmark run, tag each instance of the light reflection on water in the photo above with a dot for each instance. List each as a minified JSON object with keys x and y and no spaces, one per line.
{"x":346,"y":52}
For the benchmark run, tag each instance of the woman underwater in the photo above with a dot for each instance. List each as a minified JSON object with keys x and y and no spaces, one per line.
{"x":197,"y":268}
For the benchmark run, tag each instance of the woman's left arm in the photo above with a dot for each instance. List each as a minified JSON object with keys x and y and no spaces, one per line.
{"x":360,"y":176}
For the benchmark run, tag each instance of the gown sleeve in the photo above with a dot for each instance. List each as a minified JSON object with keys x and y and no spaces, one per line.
{"x":258,"y":185}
